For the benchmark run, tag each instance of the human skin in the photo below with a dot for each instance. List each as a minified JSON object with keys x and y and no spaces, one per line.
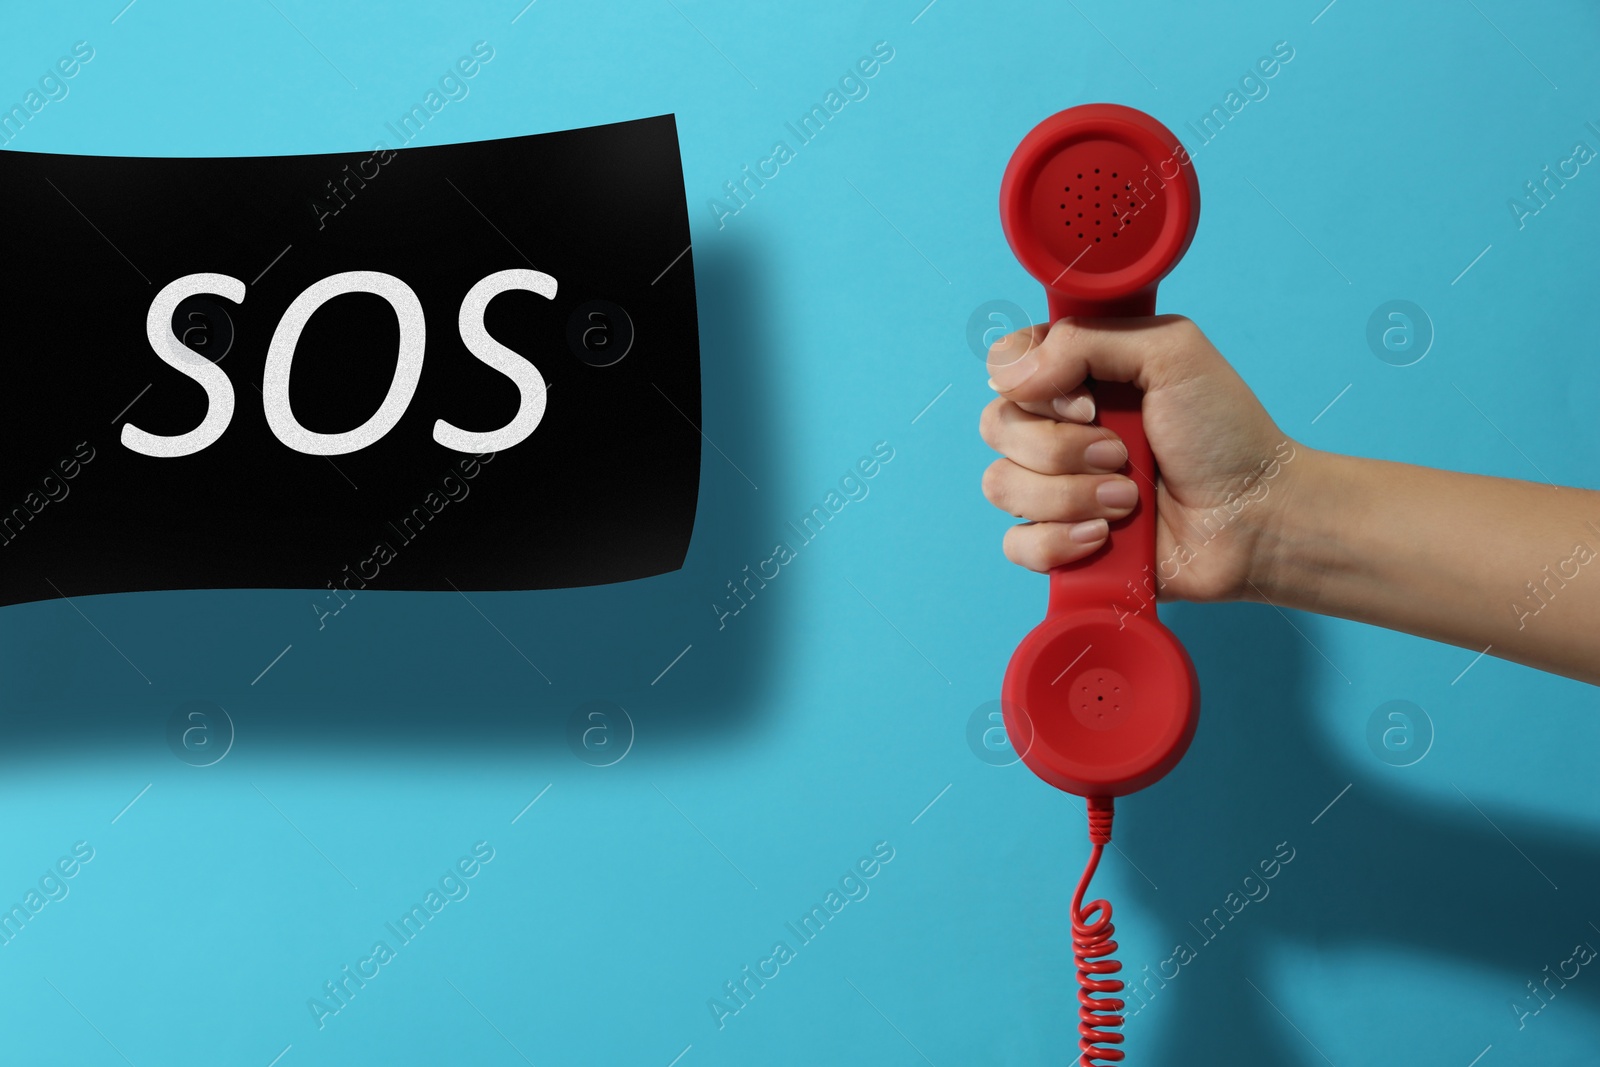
{"x":1485,"y":563}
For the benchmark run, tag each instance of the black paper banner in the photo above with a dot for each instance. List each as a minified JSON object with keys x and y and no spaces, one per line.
{"x":495,"y":382}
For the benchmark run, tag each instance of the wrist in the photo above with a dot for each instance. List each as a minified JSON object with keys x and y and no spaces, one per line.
{"x":1297,"y":536}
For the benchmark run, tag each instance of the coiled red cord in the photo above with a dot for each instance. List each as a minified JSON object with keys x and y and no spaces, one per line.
{"x":1099,"y":1017}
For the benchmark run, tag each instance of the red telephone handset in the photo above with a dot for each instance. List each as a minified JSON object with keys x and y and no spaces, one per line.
{"x":1099,"y":202}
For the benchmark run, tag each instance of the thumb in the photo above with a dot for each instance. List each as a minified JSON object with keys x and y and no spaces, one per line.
{"x":1144,"y":351}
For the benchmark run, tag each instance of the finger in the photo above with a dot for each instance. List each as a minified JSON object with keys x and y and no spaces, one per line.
{"x":1039,"y":546}
{"x":1072,"y":405}
{"x":1075,"y":405}
{"x":1144,"y":351}
{"x":1016,"y":344}
{"x":1011,"y":348}
{"x":1058,"y":498}
{"x":1048,"y":446}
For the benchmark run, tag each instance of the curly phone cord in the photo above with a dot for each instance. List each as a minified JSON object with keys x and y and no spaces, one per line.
{"x":1099,"y":1017}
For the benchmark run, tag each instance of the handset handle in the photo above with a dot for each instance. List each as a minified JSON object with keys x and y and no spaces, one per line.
{"x":1121,"y":573}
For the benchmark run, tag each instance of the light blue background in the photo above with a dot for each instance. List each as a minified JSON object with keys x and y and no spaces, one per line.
{"x":830,"y":713}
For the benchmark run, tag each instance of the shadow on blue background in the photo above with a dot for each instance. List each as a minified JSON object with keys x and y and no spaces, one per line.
{"x":1377,"y":871}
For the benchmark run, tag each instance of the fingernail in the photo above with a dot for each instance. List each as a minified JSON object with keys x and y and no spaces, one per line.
{"x":1087,"y":533}
{"x":1121,"y":493}
{"x":1011,"y":375}
{"x":993,"y":386}
{"x":1105,"y":456}
{"x":1078,"y":409}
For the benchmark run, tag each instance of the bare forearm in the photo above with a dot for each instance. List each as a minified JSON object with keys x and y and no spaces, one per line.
{"x":1474,"y":561}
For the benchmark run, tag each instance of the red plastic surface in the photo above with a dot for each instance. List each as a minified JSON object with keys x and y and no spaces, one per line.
{"x":1099,"y":202}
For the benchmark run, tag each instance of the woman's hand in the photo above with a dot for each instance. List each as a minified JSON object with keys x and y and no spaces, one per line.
{"x":1225,"y":466}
